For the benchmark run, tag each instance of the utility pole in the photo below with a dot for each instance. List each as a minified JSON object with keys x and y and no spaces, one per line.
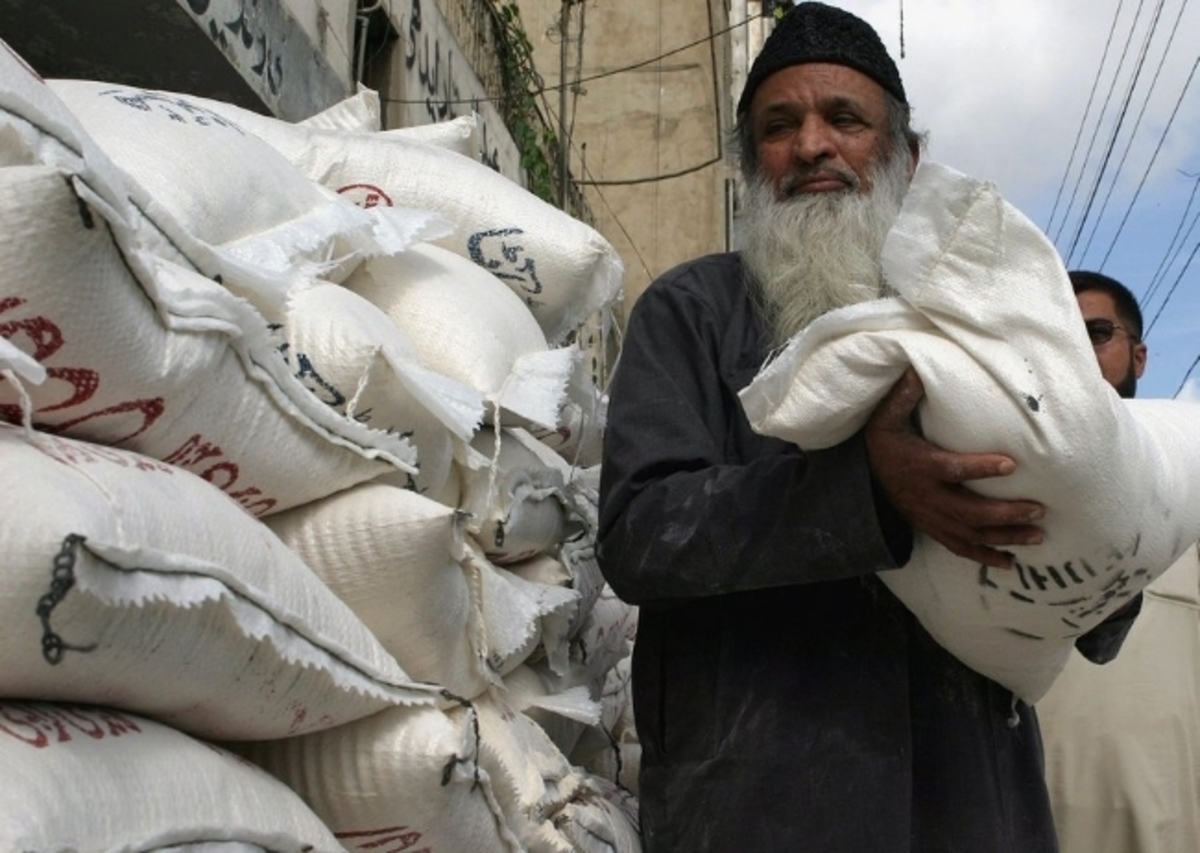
{"x":564,"y":144}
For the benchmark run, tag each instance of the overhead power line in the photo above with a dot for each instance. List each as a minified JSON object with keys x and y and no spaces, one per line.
{"x":1082,"y":124}
{"x":1083,"y":121}
{"x":1171,"y":292}
{"x":1178,"y":239}
{"x":1133,"y":136}
{"x":1153,"y":159}
{"x":629,"y":237}
{"x":1183,"y":383}
{"x":541,"y":90}
{"x":706,"y":39}
{"x":654,"y":178}
{"x":1112,"y":140}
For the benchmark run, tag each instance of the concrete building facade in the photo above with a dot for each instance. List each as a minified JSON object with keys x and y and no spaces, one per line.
{"x":645,"y":113}
{"x":650,"y":90}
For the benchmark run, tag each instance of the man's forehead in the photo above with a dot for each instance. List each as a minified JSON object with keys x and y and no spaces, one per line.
{"x":1096,"y":303}
{"x":818,"y":81}
{"x":827,"y":102}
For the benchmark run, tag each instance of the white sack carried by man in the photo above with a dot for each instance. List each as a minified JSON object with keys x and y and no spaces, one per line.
{"x":988,"y":319}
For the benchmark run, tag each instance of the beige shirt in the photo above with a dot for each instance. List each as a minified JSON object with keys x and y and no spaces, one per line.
{"x":1123,"y":740}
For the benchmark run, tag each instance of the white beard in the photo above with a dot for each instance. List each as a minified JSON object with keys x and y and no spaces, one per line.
{"x":811,"y":253}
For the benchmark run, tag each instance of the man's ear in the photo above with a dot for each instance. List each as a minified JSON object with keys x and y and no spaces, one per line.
{"x":1139,"y":359}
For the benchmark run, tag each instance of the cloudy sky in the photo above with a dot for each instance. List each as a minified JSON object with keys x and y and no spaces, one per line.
{"x":1003,"y":87}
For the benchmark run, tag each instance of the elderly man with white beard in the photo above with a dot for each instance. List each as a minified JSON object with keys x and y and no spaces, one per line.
{"x":783,"y":698}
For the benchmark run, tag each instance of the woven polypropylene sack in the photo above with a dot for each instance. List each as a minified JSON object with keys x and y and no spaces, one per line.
{"x":365,"y":367}
{"x":533,"y":780}
{"x":136,"y":584}
{"x":556,"y":569}
{"x":228,"y":199}
{"x":153,"y":357}
{"x":517,"y":504}
{"x":90,"y":276}
{"x":604,"y":819}
{"x":613,"y":750}
{"x":81,"y":777}
{"x":562,"y":268}
{"x":360,"y":112}
{"x":396,"y":559}
{"x":406,"y":778}
{"x":467,"y":325}
{"x":520,"y":617}
{"x":987,"y":317}
{"x":551,"y":805}
{"x":460,"y":135}
{"x":563,"y":713}
{"x":579,"y":436}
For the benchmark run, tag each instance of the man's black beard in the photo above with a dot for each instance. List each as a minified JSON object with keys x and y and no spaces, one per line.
{"x":1127,"y":387}
{"x":812,"y":253}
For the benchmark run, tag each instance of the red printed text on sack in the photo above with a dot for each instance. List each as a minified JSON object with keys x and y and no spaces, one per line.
{"x":77,"y":453}
{"x":206,"y":459}
{"x":42,"y":725}
{"x":67,"y":388}
{"x":391,"y":839}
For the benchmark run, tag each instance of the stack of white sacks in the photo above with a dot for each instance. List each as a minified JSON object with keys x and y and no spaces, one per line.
{"x":300,"y":464}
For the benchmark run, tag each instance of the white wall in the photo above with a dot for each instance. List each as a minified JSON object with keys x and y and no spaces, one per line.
{"x":434,"y":83}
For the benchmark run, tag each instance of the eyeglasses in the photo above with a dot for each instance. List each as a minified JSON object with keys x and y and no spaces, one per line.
{"x":1100,"y":331}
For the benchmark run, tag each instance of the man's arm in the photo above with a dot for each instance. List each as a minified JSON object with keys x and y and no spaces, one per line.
{"x":926,"y":484}
{"x":1102,"y":643}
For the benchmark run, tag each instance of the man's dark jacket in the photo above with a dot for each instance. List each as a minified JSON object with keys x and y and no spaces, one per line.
{"x":784,"y":699}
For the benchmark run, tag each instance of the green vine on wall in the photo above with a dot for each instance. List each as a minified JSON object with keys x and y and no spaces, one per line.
{"x":522,"y":83}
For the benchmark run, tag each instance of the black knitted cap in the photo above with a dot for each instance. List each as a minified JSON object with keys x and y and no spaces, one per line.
{"x":814,"y":32}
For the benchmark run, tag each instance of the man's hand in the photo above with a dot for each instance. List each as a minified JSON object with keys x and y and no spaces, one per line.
{"x":925,"y":484}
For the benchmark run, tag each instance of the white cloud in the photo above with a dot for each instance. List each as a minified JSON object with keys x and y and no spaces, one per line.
{"x":1190,"y":391}
{"x":1002,"y":86}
